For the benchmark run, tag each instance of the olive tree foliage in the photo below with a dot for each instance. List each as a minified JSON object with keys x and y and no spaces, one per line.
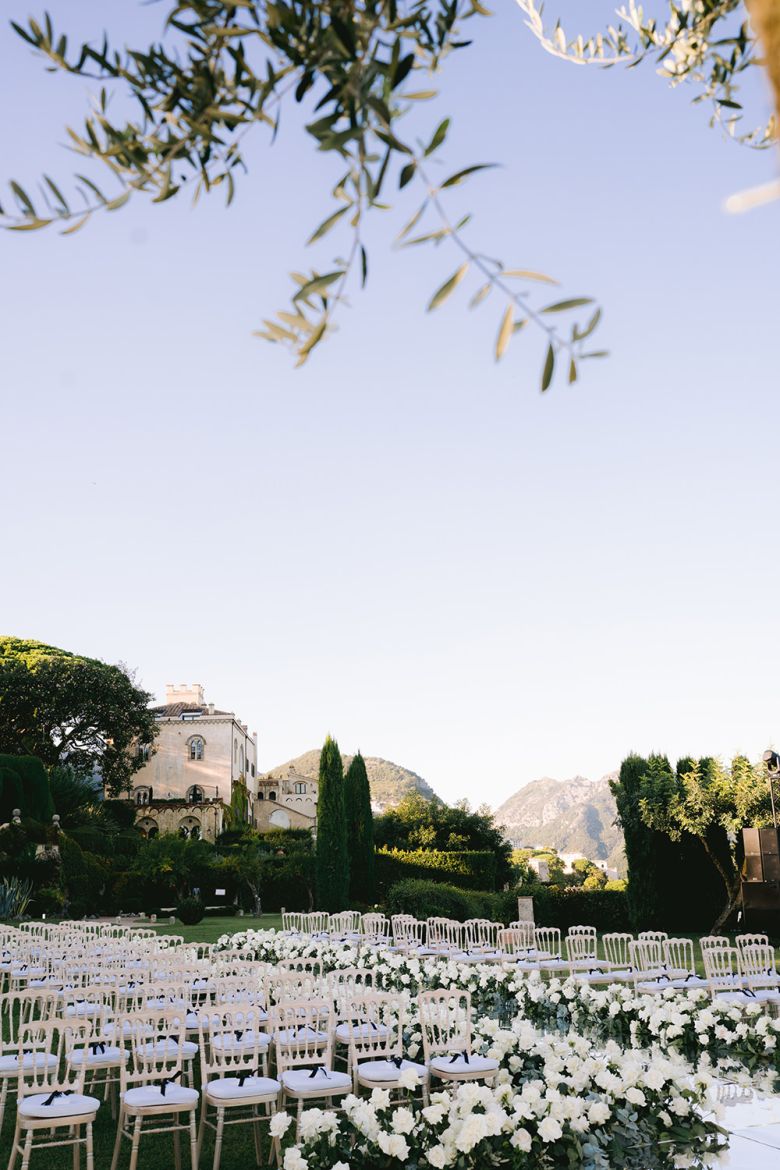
{"x":224,"y":68}
{"x":710,"y":794}
{"x":709,"y":44}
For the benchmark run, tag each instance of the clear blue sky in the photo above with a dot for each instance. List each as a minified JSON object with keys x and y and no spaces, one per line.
{"x":404,"y":544}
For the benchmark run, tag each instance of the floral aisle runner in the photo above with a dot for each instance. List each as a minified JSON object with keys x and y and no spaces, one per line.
{"x":590,"y":1078}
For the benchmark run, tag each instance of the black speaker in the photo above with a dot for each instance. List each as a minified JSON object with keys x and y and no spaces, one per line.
{"x":754,"y":868}
{"x":761,"y":906}
{"x":770,"y":854}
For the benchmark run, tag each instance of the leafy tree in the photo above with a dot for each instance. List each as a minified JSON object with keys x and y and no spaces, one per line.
{"x":332,"y":853}
{"x":360,"y":831}
{"x":648,"y":851}
{"x":67,"y":709}
{"x":417,"y":823}
{"x":172,"y":863}
{"x":705,"y":796}
{"x":224,"y":68}
{"x":24,"y":785}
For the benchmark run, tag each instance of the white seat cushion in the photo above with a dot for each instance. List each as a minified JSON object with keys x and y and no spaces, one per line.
{"x":67,"y":1105}
{"x":167,"y":1047}
{"x":344,"y":1031}
{"x":230,"y":1089}
{"x":94,"y":1057}
{"x":176,"y":1097}
{"x":229,"y":1042}
{"x":9,"y":1065}
{"x":478,"y":1065}
{"x":84,"y":1008}
{"x":292,"y":1036}
{"x":300,"y":1080}
{"x":388,"y":1070}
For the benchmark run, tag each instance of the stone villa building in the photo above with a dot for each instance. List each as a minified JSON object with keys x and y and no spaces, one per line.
{"x":201,"y":774}
{"x":286,"y":800}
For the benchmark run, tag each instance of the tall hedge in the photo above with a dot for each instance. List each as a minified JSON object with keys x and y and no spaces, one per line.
{"x":332,"y":855}
{"x":25,"y":785}
{"x":360,"y":832}
{"x":468,"y":869}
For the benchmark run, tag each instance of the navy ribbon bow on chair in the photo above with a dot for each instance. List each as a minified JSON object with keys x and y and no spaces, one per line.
{"x":319,"y":1069}
{"x":57,"y":1093}
{"x":398,"y":1061}
{"x":464,"y":1056}
{"x":245,"y":1073}
{"x":163,"y":1084}
{"x":97,"y":1044}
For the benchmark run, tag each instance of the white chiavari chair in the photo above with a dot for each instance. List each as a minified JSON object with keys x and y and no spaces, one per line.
{"x":445,"y":1022}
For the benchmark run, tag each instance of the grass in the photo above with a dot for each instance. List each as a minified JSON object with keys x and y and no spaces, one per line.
{"x":210,"y":929}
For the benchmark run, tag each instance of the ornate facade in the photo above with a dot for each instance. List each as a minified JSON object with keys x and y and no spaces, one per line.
{"x":201,"y":774}
{"x":286,"y":800}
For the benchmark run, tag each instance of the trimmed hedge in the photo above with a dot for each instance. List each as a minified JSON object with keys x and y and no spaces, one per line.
{"x":607,"y":910}
{"x":24,"y":784}
{"x":433,"y":899}
{"x":469,"y":870}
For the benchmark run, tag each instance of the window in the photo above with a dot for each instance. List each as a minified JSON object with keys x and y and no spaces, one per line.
{"x":261,"y":796}
{"x":142,"y":795}
{"x":253,"y":769}
{"x":235,"y":750}
{"x":272,"y":796}
{"x":196,"y":748}
{"x":241,"y":760}
{"x":143,"y":752}
{"x":186,"y":715}
{"x":195,"y":795}
{"x":299,"y":788}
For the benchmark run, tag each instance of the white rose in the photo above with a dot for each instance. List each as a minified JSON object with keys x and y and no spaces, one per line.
{"x":280,"y":1123}
{"x":549,"y":1130}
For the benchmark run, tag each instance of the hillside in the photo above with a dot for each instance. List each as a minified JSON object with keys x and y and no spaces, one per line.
{"x":389,"y":782}
{"x":573,"y":816}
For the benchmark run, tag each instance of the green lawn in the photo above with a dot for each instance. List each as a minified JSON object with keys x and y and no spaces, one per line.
{"x":210,"y":929}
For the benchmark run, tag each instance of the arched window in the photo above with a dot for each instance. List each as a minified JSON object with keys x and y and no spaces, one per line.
{"x":142,"y":795}
{"x":195,"y":794}
{"x":261,"y":796}
{"x":272,"y":796}
{"x":196,"y":747}
{"x":189,"y":828}
{"x":241,"y":761}
{"x":152,"y":832}
{"x":235,"y":750}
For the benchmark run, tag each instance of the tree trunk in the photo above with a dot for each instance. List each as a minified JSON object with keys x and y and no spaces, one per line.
{"x":731,"y":902}
{"x":765,"y":18}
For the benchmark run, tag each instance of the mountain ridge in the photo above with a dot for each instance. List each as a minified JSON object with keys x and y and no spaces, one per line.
{"x":389,"y":782}
{"x":573,"y":816}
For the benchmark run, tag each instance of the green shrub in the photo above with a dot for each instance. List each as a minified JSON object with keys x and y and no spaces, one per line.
{"x":47,"y":900}
{"x":190,"y":911}
{"x":467,"y":869}
{"x":31,"y":781}
{"x":607,"y":910}
{"x":434,"y":899}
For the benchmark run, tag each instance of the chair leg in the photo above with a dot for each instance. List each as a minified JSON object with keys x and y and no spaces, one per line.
{"x":136,"y":1143}
{"x":202,"y":1126}
{"x":75,"y":1134}
{"x":28,"y":1138}
{"x":118,"y":1142}
{"x":256,"y":1136}
{"x":14,"y":1148}
{"x":218,"y":1140}
{"x":3,"y":1097}
{"x":90,"y":1152}
{"x":194,"y":1147}
{"x":176,"y":1145}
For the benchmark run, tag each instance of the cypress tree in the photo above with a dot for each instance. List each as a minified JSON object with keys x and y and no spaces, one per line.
{"x":360,"y":831}
{"x":332,"y":855}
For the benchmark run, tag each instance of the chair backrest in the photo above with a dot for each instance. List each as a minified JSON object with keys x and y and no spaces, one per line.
{"x":41,"y":1048}
{"x":481,"y":934}
{"x":617,"y":948}
{"x":292,"y":921}
{"x":20,"y":1008}
{"x":589,"y":931}
{"x":231,"y":1042}
{"x":757,"y":964}
{"x":376,"y":927}
{"x":648,"y":956}
{"x":347,"y":985}
{"x":679,"y":956}
{"x":290,"y":986}
{"x":316,"y":922}
{"x":303,"y":1033}
{"x":454,"y":937}
{"x":312,"y":967}
{"x":344,"y":923}
{"x":580,"y":947}
{"x":652,"y":936}
{"x":707,"y":941}
{"x":155,"y":1042}
{"x":751,"y":940}
{"x":437,"y":931}
{"x":241,"y":988}
{"x":516,"y":940}
{"x":547,"y":940}
{"x":409,"y":933}
{"x":375,"y":1024}
{"x":721,"y":968}
{"x":445,"y":1021}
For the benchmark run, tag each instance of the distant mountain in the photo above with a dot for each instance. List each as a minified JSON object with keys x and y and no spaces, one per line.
{"x":389,"y":782}
{"x":572,"y":816}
